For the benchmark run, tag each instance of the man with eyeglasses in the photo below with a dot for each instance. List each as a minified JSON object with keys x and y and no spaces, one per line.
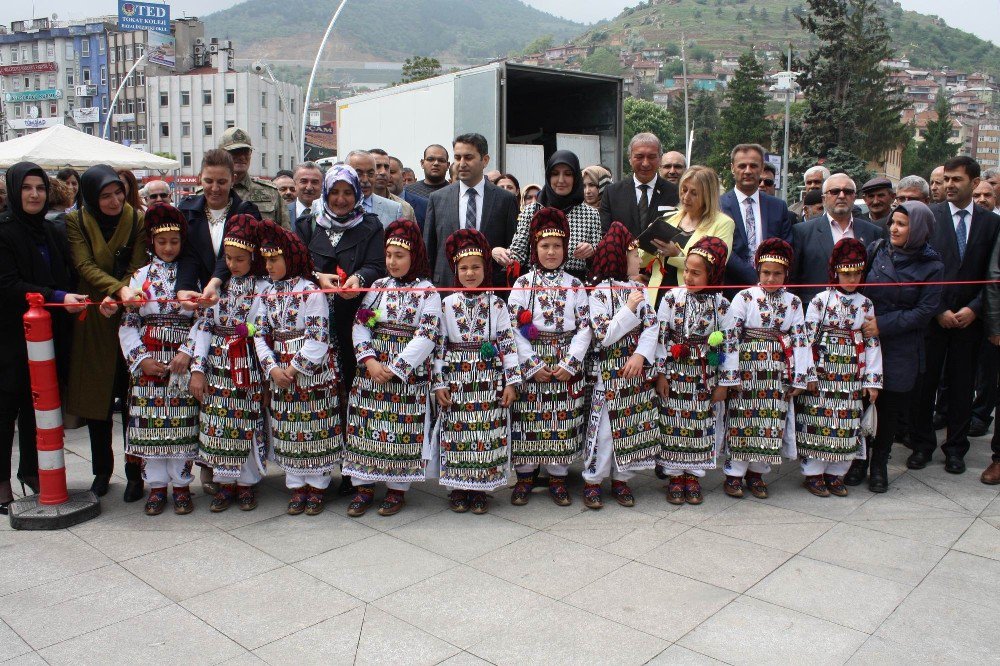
{"x":814,"y":240}
{"x":768,"y":178}
{"x":912,"y":188}
{"x":672,"y":167}
{"x":157,"y":191}
{"x":435,"y":165}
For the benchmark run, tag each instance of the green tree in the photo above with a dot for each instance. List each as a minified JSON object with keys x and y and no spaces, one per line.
{"x":419,"y":68}
{"x":704,"y":123}
{"x":602,"y":61}
{"x":539,"y":44}
{"x":836,"y":160}
{"x":645,"y":116}
{"x":786,"y":16}
{"x":853,"y":103}
{"x":744,"y":120}
{"x":924,"y":156}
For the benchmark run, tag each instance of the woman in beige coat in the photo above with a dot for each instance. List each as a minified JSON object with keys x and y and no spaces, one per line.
{"x":107,"y":245}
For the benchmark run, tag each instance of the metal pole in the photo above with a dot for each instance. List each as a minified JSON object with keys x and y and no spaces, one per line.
{"x":114,"y":102}
{"x":788,"y":112}
{"x":687,"y":125}
{"x":312,"y":77}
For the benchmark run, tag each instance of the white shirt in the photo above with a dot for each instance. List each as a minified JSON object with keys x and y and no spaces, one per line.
{"x":217,"y":229}
{"x":463,"y":202}
{"x":649,"y":190}
{"x":968,"y":218}
{"x":301,"y":208}
{"x":840,"y":233}
{"x":369,"y":204}
{"x":755,"y":202}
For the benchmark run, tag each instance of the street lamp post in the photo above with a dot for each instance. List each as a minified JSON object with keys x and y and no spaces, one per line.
{"x":263,"y":66}
{"x":312,"y":77}
{"x":114,"y":102}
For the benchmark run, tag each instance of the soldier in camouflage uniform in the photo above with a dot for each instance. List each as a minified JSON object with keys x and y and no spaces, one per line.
{"x":261,"y":193}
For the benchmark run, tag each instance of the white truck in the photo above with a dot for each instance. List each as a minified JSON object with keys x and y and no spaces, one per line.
{"x":526,"y":113}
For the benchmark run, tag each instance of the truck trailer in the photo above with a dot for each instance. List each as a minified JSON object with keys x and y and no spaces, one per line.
{"x":526,"y":113}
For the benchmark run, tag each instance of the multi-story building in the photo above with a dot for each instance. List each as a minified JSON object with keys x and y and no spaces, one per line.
{"x":53,"y":73}
{"x":129,"y":122}
{"x":188,"y":113}
{"x":987,"y":144}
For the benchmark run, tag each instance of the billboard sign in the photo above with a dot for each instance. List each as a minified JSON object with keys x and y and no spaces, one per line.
{"x":143,"y":16}
{"x":34,"y":123}
{"x":86,"y":114}
{"x":28,"y":68}
{"x":162,"y":49}
{"x":33,"y":95}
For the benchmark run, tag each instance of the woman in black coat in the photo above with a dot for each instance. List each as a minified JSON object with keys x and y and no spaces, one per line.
{"x":345,"y":242}
{"x":34,"y":258}
{"x":902,"y":314}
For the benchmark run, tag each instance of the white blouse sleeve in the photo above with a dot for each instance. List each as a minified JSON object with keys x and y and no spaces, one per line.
{"x":311,"y":357}
{"x":425,"y":338}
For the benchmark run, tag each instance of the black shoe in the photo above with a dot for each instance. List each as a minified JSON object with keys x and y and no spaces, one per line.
{"x":918,"y":460}
{"x":940,"y":422}
{"x":954,"y":465}
{"x":346,"y":488}
{"x":978,"y":428}
{"x":902,"y":438}
{"x":30,"y":482}
{"x":100,"y":485}
{"x":878,"y":479}
{"x":134,"y":491}
{"x":856,"y":475}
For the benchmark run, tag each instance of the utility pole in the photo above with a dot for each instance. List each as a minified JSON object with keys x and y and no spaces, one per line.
{"x":687,"y":124}
{"x":312,"y":77}
{"x":789,"y":93}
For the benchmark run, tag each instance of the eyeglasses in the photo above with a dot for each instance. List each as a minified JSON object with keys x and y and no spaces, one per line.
{"x":157,"y":195}
{"x":837,"y":191}
{"x":436,"y":160}
{"x":902,"y":198}
{"x":768,"y":182}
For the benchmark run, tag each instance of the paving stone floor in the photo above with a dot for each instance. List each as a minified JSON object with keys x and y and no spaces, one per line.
{"x":910,"y":576}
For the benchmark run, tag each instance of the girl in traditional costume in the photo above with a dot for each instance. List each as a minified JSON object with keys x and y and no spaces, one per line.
{"x":769,"y":362}
{"x":694,"y":323}
{"x":848,"y":368}
{"x":395,"y":334}
{"x":476,"y":378}
{"x":225,"y":374}
{"x":293,"y":345}
{"x":552,"y":315}
{"x":162,"y":414}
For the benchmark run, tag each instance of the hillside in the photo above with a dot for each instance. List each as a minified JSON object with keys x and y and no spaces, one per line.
{"x":450,"y":30}
{"x":722,"y":26}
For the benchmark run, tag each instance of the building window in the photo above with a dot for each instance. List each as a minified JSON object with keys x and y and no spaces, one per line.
{"x":140,"y":78}
{"x":86,"y":77}
{"x":208,"y":128}
{"x":281,"y":137}
{"x":206,"y":97}
{"x":263,"y":162}
{"x":281,"y":105}
{"x":114,"y":135}
{"x":230,"y":96}
{"x":120,"y":52}
{"x":185,"y":128}
{"x":131,"y":133}
{"x":104,"y":75}
{"x":130,"y":106}
{"x":291,"y":106}
{"x":230,"y":124}
{"x":281,"y":159}
{"x":142,"y":133}
{"x":69,"y":51}
{"x":24,"y":53}
{"x":13,"y":56}
{"x":164,"y":129}
{"x":128,"y":52}
{"x":38,"y":82}
{"x":104,"y":103}
{"x":52,"y":81}
{"x":84,"y":48}
{"x":111,"y":56}
{"x":100,"y":46}
{"x":16,"y":83}
{"x":140,"y":49}
{"x":164,"y":99}
{"x":263,"y":130}
{"x":186,"y":160}
{"x":50,"y":50}
{"x":185,"y":98}
{"x":263,"y":100}
{"x":27,"y":83}
{"x":17,"y":111}
{"x":34,"y":52}
{"x":140,"y":105}
{"x":53,"y":109}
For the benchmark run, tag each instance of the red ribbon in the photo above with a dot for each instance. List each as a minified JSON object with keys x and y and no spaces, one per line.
{"x":238,"y":352}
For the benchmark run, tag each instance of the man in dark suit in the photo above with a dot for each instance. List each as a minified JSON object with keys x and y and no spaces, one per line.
{"x":471,"y":202}
{"x":758,"y":216}
{"x":813,"y":240}
{"x":637,"y":201}
{"x":964,"y":236}
{"x":308,"y":178}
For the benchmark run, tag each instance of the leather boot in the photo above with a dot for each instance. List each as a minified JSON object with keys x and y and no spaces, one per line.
{"x":134,"y":487}
{"x":878,"y":476}
{"x":856,"y":475}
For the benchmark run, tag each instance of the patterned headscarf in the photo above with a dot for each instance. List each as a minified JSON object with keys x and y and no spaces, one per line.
{"x":241,"y":232}
{"x":714,"y":251}
{"x":275,"y":240}
{"x":329,"y":219}
{"x":161,"y":217}
{"x":600,"y":176}
{"x":465,"y":243}
{"x":775,"y":250}
{"x":547,"y":223}
{"x":406,"y":234}
{"x":611,"y":254}
{"x":849,"y":256}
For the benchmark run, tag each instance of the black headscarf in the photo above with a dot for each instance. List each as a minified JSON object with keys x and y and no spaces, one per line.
{"x":15,"y":180}
{"x":921,"y":226}
{"x":548,"y":197}
{"x":93,"y":180}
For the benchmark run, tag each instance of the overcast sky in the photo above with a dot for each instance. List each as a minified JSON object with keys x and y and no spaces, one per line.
{"x":980,"y":17}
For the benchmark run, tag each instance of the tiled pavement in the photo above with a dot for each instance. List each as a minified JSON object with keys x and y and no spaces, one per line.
{"x":910,"y":576}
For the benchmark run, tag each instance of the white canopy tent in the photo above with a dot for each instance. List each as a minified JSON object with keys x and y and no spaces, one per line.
{"x":61,"y":146}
